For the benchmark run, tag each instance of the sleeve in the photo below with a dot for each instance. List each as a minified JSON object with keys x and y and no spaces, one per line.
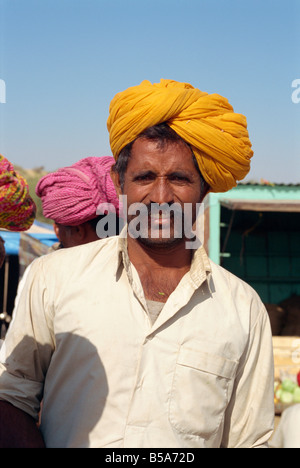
{"x":249,"y":417}
{"x":277,"y":440}
{"x":29,"y":343}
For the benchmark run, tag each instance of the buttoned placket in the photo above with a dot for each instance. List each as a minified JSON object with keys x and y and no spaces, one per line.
{"x":192,"y":280}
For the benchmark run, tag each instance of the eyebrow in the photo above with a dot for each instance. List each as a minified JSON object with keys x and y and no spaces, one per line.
{"x":143,"y":173}
{"x":179,"y":173}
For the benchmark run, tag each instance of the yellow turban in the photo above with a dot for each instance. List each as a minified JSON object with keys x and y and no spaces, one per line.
{"x":218,"y":136}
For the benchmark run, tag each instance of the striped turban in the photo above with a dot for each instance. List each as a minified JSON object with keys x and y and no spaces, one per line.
{"x":217,"y":135}
{"x":72,"y":195}
{"x":17,"y":209}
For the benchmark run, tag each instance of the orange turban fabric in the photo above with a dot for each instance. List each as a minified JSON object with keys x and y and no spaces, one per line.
{"x":17,"y":209}
{"x":218,"y":136}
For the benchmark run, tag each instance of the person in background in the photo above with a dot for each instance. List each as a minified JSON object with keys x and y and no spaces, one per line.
{"x":17,"y":209}
{"x":72,"y":195}
{"x":287,"y":434}
{"x":140,"y":340}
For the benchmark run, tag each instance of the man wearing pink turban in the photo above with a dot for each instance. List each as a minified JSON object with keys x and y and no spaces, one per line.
{"x":76,"y":197}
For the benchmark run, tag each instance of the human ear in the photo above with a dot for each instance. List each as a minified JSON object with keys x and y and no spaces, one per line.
{"x":116,"y":180}
{"x":80,"y":232}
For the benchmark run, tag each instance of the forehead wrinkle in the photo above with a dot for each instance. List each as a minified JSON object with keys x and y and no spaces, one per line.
{"x":155,"y":160}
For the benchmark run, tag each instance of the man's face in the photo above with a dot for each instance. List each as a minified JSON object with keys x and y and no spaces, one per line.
{"x":66,"y":235}
{"x":158,"y":176}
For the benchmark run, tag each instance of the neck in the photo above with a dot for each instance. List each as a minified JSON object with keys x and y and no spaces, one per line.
{"x":160,"y":269}
{"x":174,"y":256}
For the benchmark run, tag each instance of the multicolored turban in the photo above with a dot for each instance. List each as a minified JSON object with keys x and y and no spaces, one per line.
{"x":17,"y":209}
{"x":72,"y":195}
{"x":218,"y":136}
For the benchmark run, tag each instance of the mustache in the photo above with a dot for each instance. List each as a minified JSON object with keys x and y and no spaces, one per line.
{"x":164,"y":209}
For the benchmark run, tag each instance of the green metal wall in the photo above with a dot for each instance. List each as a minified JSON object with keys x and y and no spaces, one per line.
{"x":261,"y":248}
{"x":264,"y":250}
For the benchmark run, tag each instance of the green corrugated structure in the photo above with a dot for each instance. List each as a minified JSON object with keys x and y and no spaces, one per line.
{"x":254,"y":231}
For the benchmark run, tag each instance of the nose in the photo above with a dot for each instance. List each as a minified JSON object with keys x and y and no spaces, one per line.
{"x":161,"y":192}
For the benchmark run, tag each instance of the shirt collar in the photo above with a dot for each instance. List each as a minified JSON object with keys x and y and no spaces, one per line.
{"x":122,"y":252}
{"x":200,"y":266}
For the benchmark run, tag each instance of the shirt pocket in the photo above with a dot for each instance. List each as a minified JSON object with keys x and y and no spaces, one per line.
{"x":201,"y":390}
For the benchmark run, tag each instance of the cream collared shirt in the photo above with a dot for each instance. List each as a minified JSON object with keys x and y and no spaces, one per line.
{"x":81,"y":338}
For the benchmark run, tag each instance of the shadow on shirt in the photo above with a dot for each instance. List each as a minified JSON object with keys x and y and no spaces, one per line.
{"x":70,"y":379}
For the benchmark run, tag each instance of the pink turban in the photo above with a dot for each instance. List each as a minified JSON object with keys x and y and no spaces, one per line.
{"x":17,"y":209}
{"x":71,"y":195}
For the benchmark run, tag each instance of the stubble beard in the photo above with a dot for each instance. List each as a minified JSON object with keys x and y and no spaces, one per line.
{"x":154,"y":235}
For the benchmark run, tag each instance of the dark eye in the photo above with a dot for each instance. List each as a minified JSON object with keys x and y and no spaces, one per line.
{"x":180,"y":178}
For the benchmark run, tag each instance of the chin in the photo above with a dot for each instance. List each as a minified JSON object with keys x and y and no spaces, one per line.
{"x":159,"y":243}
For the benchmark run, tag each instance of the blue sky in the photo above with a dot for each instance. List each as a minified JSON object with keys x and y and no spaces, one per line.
{"x":62,"y":62}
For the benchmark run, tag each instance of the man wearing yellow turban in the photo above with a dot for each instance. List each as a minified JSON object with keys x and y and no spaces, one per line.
{"x":163,"y":347}
{"x":218,"y":137}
